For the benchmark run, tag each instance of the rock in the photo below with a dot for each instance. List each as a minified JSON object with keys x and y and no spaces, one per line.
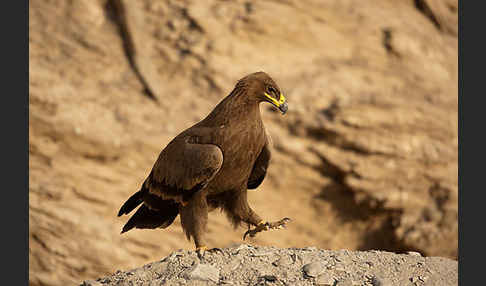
{"x":325,"y":279}
{"x":260,"y":271}
{"x":313,"y":269}
{"x":423,"y":278}
{"x":283,"y":261}
{"x":367,"y":264}
{"x":380,"y":281}
{"x":203,"y":272}
{"x":340,"y":268}
{"x":344,"y":283}
{"x":270,"y":278}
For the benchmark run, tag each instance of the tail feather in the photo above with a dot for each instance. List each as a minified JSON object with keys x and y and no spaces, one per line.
{"x":148,"y":218}
{"x":131,"y":203}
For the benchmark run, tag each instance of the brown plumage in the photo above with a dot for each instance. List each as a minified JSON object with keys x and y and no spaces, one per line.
{"x":211,"y":165}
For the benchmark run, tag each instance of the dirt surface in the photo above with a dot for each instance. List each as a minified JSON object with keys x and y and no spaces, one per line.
{"x":365,"y":158}
{"x":250,"y":265}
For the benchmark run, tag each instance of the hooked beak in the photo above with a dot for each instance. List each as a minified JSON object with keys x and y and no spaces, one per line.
{"x":283,"y":107}
{"x":281,"y":104}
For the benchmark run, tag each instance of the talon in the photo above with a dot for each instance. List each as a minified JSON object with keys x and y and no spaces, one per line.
{"x":201,"y":251}
{"x":280,"y":224}
{"x":263,"y":226}
{"x":215,"y":249}
{"x":252,"y":232}
{"x":246,"y":233}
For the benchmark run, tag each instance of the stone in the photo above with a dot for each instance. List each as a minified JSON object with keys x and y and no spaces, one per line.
{"x":325,"y":279}
{"x":380,"y":281}
{"x":203,"y":272}
{"x":344,"y":283}
{"x":313,"y":269}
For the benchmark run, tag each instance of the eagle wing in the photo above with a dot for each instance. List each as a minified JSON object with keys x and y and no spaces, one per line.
{"x":259,"y":167}
{"x":183,"y":168}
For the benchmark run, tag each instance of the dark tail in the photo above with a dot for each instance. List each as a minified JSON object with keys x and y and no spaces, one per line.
{"x":148,"y":218}
{"x":131,"y":203}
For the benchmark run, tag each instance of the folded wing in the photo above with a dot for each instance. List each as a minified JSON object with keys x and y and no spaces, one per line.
{"x":259,"y":168}
{"x":183,"y":168}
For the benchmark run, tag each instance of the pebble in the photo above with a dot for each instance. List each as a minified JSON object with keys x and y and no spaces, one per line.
{"x":160,"y":267}
{"x":235,"y":265}
{"x":261,"y":254}
{"x":202,"y":272}
{"x":270,"y":278}
{"x":377,"y":281}
{"x":414,"y":253}
{"x":313,"y":269}
{"x":294,"y":257}
{"x":172,"y":256}
{"x":344,"y":283}
{"x":283,"y":261}
{"x":340,"y":268}
{"x":325,"y":280}
{"x":423,"y":278}
{"x":239,"y":248}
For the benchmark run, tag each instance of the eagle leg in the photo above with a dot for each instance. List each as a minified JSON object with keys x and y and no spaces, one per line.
{"x":194,"y":218}
{"x":201,"y":250}
{"x":264,"y":226}
{"x":237,"y":209}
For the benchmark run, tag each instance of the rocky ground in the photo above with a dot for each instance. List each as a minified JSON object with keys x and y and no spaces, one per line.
{"x":249,"y":265}
{"x":365,"y":158}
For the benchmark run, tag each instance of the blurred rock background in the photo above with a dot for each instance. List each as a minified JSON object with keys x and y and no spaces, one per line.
{"x":366,"y":157}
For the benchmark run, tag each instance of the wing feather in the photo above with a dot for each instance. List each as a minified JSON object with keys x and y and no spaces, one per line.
{"x":183,"y":168}
{"x":259,"y":168}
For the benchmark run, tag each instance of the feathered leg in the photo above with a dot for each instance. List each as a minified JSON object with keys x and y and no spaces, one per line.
{"x":194,"y":219}
{"x":237,"y":209}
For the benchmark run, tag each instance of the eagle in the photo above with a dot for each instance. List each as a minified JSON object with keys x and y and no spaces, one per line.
{"x":212,"y":165}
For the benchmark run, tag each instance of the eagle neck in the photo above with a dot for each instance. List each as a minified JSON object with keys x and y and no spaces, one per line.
{"x":237,"y":107}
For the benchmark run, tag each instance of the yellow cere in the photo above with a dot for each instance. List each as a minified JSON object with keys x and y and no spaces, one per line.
{"x":277,"y":103}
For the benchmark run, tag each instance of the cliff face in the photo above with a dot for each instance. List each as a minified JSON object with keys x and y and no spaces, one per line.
{"x":366,"y":157}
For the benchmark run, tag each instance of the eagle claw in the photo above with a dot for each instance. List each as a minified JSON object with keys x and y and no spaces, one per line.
{"x":267,"y":226}
{"x":201,"y":251}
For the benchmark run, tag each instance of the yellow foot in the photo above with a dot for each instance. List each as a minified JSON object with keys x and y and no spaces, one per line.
{"x":201,"y":250}
{"x":264,"y":226}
